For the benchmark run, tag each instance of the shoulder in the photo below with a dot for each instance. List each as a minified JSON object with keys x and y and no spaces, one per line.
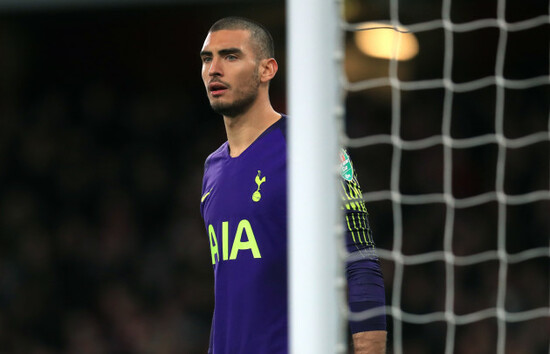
{"x":346,"y":166}
{"x":281,"y":124}
{"x":349,"y":180}
{"x":274,"y":135}
{"x":278,"y":126}
{"x":216,"y":156}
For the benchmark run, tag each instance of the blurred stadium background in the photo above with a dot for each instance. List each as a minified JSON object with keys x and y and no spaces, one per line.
{"x":104,"y":128}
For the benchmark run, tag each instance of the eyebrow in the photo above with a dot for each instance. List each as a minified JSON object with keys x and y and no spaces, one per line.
{"x":225,"y":51}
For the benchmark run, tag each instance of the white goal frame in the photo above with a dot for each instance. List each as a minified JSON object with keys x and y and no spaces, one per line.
{"x":313,"y":90}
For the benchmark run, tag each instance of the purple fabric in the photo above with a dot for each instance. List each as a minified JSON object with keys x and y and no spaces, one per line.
{"x":244,"y":207}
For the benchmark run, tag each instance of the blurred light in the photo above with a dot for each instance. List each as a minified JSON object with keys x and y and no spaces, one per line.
{"x":381,"y":41}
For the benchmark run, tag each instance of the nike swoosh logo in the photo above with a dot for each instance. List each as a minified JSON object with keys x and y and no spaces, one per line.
{"x":205,"y":195}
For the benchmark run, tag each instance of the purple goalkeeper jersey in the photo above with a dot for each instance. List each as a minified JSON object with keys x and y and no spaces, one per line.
{"x":244,"y":207}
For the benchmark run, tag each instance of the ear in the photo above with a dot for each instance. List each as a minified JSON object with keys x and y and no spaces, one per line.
{"x":268,"y":69}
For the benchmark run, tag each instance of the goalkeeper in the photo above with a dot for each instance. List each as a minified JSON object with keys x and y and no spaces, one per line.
{"x":244,"y":205}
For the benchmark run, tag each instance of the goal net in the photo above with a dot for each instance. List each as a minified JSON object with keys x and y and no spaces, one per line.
{"x":449,"y":130}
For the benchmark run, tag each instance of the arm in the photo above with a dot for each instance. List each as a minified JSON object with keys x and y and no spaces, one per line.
{"x":371,"y":342}
{"x":366,"y":292}
{"x":365,"y":280}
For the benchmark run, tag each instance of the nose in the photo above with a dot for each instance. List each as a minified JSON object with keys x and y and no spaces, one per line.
{"x":215,"y":68}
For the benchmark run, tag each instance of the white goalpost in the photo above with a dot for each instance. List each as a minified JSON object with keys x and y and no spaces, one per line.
{"x":315,"y":281}
{"x":316,"y":32}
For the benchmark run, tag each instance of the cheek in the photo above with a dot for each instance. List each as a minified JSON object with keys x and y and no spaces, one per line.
{"x":204,"y":73}
{"x":248,"y":77}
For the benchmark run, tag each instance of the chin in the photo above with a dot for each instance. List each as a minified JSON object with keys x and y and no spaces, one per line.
{"x":227,"y":110}
{"x":233,"y":108}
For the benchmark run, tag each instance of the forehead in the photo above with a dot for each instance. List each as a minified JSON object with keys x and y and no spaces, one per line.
{"x":223,"y":39}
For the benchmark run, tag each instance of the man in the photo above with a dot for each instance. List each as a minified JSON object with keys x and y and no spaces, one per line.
{"x":243,"y":204}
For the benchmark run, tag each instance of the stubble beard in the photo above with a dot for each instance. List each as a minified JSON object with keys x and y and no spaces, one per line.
{"x":242,"y":104}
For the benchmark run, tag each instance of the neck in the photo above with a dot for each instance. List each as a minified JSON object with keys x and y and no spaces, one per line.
{"x":244,"y":129}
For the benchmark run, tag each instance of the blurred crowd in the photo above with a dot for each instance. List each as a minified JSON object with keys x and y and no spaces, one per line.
{"x":104,"y":128}
{"x":102,"y":248}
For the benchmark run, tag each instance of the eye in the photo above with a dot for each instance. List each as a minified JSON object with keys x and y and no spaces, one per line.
{"x":206,"y":59}
{"x":231,"y":57}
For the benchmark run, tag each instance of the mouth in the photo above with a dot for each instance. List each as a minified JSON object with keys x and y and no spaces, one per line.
{"x":217,"y":88}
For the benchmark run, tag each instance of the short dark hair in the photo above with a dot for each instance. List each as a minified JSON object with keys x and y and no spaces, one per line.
{"x":261,"y":37}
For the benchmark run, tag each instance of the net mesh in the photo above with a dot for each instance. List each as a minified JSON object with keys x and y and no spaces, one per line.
{"x":452,"y":149}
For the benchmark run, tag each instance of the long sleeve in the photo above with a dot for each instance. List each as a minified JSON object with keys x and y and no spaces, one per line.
{"x":365,"y":280}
